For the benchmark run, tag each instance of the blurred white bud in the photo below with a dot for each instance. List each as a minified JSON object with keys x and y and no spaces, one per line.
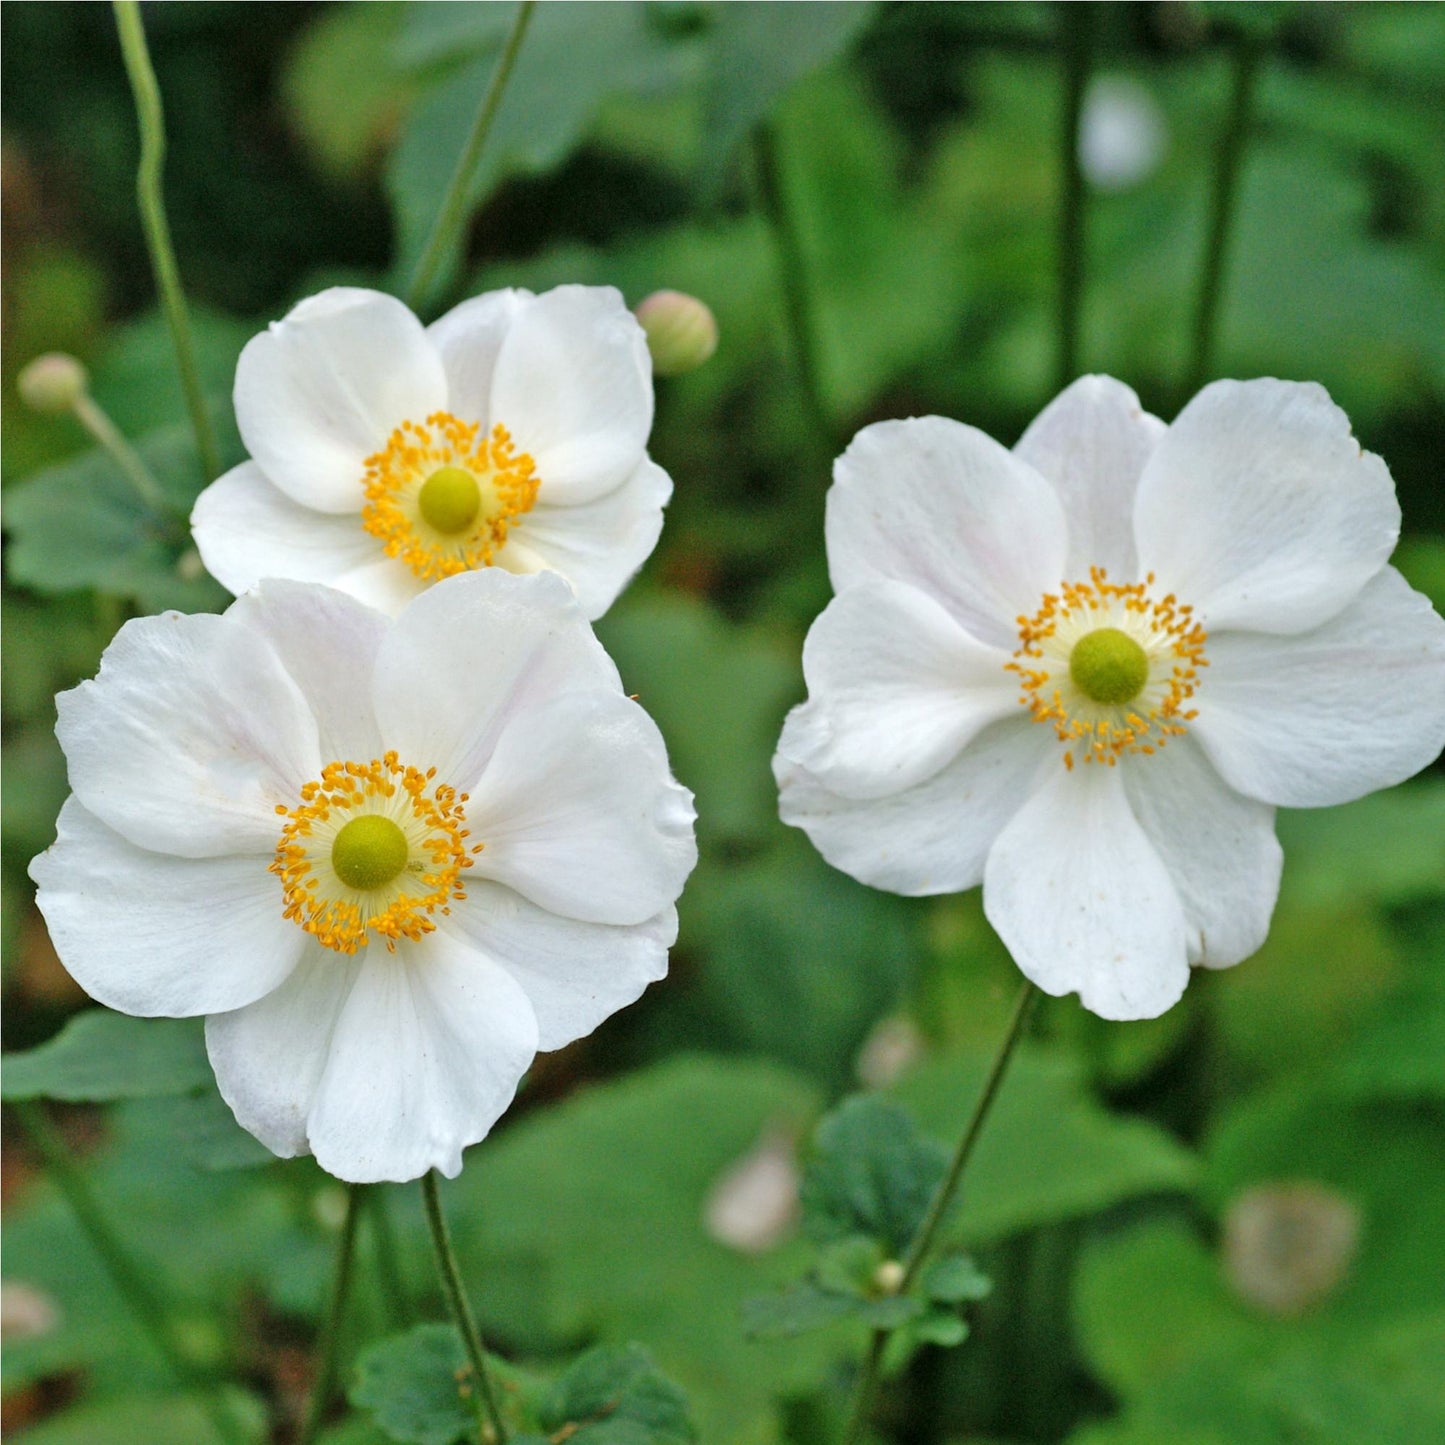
{"x":328,"y":1206}
{"x":887,"y":1052}
{"x":1122,"y":133}
{"x":888,"y":1277}
{"x":53,"y":382}
{"x":754,"y":1203}
{"x":1288,"y":1246}
{"x":26,"y":1311}
{"x":681,"y":331}
{"x":189,"y":566}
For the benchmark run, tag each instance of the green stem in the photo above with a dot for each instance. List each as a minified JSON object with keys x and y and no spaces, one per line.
{"x":88,"y":413}
{"x":939,"y":1206}
{"x":127,"y":1276}
{"x":455,"y":203}
{"x":157,"y":228}
{"x":335,"y":1316}
{"x":451,"y":1281}
{"x":1247,"y":56}
{"x":1078,"y":41}
{"x":793,"y":276}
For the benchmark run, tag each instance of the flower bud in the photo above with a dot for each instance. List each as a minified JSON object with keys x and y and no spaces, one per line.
{"x":52,"y":383}
{"x":681,"y":331}
{"x":1287,"y":1246}
{"x":888,"y":1277}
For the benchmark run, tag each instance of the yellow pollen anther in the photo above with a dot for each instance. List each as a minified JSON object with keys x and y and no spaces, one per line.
{"x":1109,"y":667}
{"x":369,"y":852}
{"x":372,"y":848}
{"x":441,"y":497}
{"x":450,"y":500}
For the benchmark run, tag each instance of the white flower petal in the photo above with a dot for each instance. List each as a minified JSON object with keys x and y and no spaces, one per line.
{"x":1260,"y":509}
{"x":895,"y":689}
{"x":1309,"y":721}
{"x":946,"y":509}
{"x":156,"y":935}
{"x":573,"y":385}
{"x":318,"y":393}
{"x":1091,"y":442}
{"x":190,"y":736}
{"x":575,"y":974}
{"x":932,"y":838}
{"x":328,"y":643}
{"x":579,"y":814}
{"x":425,"y":1056}
{"x":1084,"y":902}
{"x":471,"y":652}
{"x":1219,"y":847}
{"x":599,"y":545}
{"x":247,"y":529}
{"x":269,"y":1056}
{"x":386,"y":584}
{"x":468,"y":339}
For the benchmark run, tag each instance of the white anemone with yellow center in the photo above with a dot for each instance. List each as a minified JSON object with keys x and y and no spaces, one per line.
{"x":385,"y":455}
{"x":1085,"y":672}
{"x":389,"y":860}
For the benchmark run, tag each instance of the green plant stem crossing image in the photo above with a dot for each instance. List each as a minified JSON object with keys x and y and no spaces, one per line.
{"x":722,"y":723}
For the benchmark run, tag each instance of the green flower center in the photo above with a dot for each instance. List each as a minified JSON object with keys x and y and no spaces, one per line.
{"x":369,"y":852}
{"x":450,"y":499}
{"x":1108,"y":666}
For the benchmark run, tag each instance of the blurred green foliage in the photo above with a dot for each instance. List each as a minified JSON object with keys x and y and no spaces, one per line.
{"x":913,"y":153}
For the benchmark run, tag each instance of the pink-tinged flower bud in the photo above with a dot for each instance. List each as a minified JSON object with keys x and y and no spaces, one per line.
{"x":52,"y":383}
{"x":681,"y":331}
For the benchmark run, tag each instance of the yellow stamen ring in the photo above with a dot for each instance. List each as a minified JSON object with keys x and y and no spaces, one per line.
{"x":1110,"y":667}
{"x":372,"y":848}
{"x":441,"y":497}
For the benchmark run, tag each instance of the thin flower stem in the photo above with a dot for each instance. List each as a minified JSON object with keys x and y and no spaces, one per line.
{"x":939,"y":1206}
{"x":126,"y":1275}
{"x":1078,"y":22}
{"x":157,"y":228}
{"x":489,"y":1417}
{"x":335,"y":1316}
{"x":453,"y":210}
{"x":793,"y":277}
{"x":89,"y":414}
{"x":1247,"y":56}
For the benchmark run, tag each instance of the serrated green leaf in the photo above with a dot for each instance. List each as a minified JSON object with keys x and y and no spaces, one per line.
{"x":794,"y":1311}
{"x":616,"y":1395}
{"x":101,"y":1055}
{"x":848,"y":1265}
{"x":939,"y":1327}
{"x":954,"y":1279}
{"x":870,"y":1173}
{"x":416,"y":1387}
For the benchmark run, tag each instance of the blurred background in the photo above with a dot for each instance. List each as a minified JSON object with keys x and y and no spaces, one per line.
{"x":1223,"y":1227}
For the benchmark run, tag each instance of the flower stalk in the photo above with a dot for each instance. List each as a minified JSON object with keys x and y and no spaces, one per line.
{"x":1248,"y":53}
{"x":943,"y":1197}
{"x":489,"y":1417}
{"x":452,"y":213}
{"x":335,"y":1316}
{"x":127,"y":1276}
{"x":1078,"y":42}
{"x":151,"y":119}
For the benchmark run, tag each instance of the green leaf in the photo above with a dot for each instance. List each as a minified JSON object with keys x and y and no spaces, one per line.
{"x":101,"y":1055}
{"x":954,"y":1279}
{"x":593,"y":1216}
{"x":1043,"y":1112}
{"x":939,"y":1327}
{"x":160,"y":1419}
{"x":416,"y":1386}
{"x":615,"y":1395}
{"x":81,"y":524}
{"x":794,"y":1311}
{"x":573,"y":57}
{"x":758,"y":52}
{"x":870,"y":1173}
{"x":207,"y":1132}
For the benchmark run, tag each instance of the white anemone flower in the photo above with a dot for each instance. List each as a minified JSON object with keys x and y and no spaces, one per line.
{"x":388,"y":860}
{"x":1085,"y":672}
{"x":386,"y":455}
